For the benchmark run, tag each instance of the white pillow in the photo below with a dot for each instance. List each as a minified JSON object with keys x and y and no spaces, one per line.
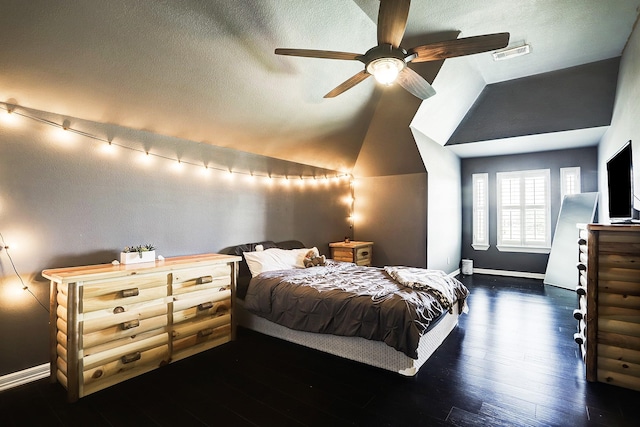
{"x":275,"y":259}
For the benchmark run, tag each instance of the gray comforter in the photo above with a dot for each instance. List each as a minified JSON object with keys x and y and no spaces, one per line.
{"x":345,"y":299}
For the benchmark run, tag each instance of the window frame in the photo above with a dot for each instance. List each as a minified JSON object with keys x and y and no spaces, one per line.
{"x":480,"y":208}
{"x":521,"y":244}
{"x":565,"y":173}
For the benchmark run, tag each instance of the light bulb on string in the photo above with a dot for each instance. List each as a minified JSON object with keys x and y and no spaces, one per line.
{"x":205,"y":171}
{"x":9,"y":119}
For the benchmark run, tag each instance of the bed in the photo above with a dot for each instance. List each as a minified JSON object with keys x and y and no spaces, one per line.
{"x":397,"y":325}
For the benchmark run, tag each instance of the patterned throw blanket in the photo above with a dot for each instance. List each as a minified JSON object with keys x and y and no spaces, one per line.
{"x":349,"y":300}
{"x":435,"y":281}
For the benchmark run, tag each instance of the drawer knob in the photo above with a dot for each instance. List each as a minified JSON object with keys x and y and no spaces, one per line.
{"x":205,"y":332}
{"x":205,"y":306}
{"x":130,"y":324}
{"x":365,"y":253}
{"x":133,"y":292}
{"x":204,"y":279}
{"x":129,"y":358}
{"x":118,"y":309}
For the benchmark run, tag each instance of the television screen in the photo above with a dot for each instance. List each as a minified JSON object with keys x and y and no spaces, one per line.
{"x":620,"y":184}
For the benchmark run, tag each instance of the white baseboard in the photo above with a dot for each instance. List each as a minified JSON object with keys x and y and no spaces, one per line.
{"x":507,"y":273}
{"x":25,"y":376}
{"x":454,"y":273}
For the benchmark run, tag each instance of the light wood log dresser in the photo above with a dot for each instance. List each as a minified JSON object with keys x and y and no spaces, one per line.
{"x":609,"y":303}
{"x":111,"y":323}
{"x":359,"y":253}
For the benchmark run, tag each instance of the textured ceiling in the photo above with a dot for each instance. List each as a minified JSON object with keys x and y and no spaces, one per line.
{"x":205,"y":70}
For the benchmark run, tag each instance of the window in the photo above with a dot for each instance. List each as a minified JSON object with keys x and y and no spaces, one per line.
{"x":524,"y":223}
{"x":480,"y":182}
{"x":569,"y":181}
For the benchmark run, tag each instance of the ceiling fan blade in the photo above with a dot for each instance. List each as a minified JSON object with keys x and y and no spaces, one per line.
{"x":392,"y":21}
{"x":310,"y":53}
{"x":460,"y":47}
{"x":348,"y":84}
{"x":415,"y":84}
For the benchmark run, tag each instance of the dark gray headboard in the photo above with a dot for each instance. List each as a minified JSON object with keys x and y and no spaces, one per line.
{"x":244,"y":275}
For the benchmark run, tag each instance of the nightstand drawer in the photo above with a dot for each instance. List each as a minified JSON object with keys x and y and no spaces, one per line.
{"x":359,"y":253}
{"x":363,"y":254}
{"x":342,"y":254}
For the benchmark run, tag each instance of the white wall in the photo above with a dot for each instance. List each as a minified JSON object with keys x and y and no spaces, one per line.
{"x":444,"y":204}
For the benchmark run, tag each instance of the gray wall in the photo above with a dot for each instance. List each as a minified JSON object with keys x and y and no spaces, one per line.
{"x":625,"y":124}
{"x":585,"y":158}
{"x":67,"y":203}
{"x":391,"y":185}
{"x":392,"y":212}
{"x":574,"y":98}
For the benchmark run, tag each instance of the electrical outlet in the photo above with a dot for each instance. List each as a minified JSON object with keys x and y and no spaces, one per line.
{"x":448,"y":260}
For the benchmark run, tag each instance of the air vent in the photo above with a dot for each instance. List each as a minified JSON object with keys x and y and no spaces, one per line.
{"x":511,"y":52}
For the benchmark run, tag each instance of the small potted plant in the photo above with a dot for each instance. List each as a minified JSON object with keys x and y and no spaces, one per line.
{"x":137,"y":254}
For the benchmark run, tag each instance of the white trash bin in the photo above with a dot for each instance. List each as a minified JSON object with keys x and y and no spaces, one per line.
{"x":467,"y":267}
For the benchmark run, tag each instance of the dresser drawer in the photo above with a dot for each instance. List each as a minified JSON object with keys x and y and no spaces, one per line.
{"x":197,"y":279}
{"x":195,"y":337}
{"x":124,"y":317}
{"x":109,"y":294}
{"x":124,"y":366}
{"x":202,"y":304}
{"x":99,"y":343}
{"x":124,"y":355}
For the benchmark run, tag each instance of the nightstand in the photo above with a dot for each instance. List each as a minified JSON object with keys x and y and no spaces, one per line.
{"x":359,"y":253}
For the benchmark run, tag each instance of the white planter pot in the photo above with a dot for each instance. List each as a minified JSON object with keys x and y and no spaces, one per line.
{"x":135,"y":258}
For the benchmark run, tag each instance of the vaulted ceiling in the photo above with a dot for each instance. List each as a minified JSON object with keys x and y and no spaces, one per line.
{"x":205,"y":70}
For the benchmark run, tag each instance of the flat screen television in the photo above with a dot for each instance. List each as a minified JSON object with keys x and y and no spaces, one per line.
{"x":620,"y":186}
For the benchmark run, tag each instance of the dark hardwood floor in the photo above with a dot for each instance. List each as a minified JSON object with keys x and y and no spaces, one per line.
{"x":510,"y":362}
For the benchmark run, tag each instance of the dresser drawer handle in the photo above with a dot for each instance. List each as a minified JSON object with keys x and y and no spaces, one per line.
{"x":205,"y":332}
{"x":204,"y":279}
{"x":578,"y":314}
{"x":118,"y":309}
{"x":205,"y":306}
{"x":133,"y":292}
{"x":129,"y":358}
{"x":365,"y":253}
{"x":130,"y":324}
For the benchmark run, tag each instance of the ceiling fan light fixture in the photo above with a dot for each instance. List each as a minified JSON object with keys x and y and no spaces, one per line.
{"x":386,"y":70}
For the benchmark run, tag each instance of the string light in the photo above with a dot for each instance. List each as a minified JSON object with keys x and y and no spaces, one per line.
{"x":15,"y":270}
{"x":66,"y":129}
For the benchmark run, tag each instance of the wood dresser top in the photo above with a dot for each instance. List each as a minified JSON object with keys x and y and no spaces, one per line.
{"x":93,"y":272}
{"x":615,"y":227}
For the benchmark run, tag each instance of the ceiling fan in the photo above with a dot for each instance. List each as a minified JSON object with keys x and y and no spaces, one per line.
{"x":387,"y":61}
